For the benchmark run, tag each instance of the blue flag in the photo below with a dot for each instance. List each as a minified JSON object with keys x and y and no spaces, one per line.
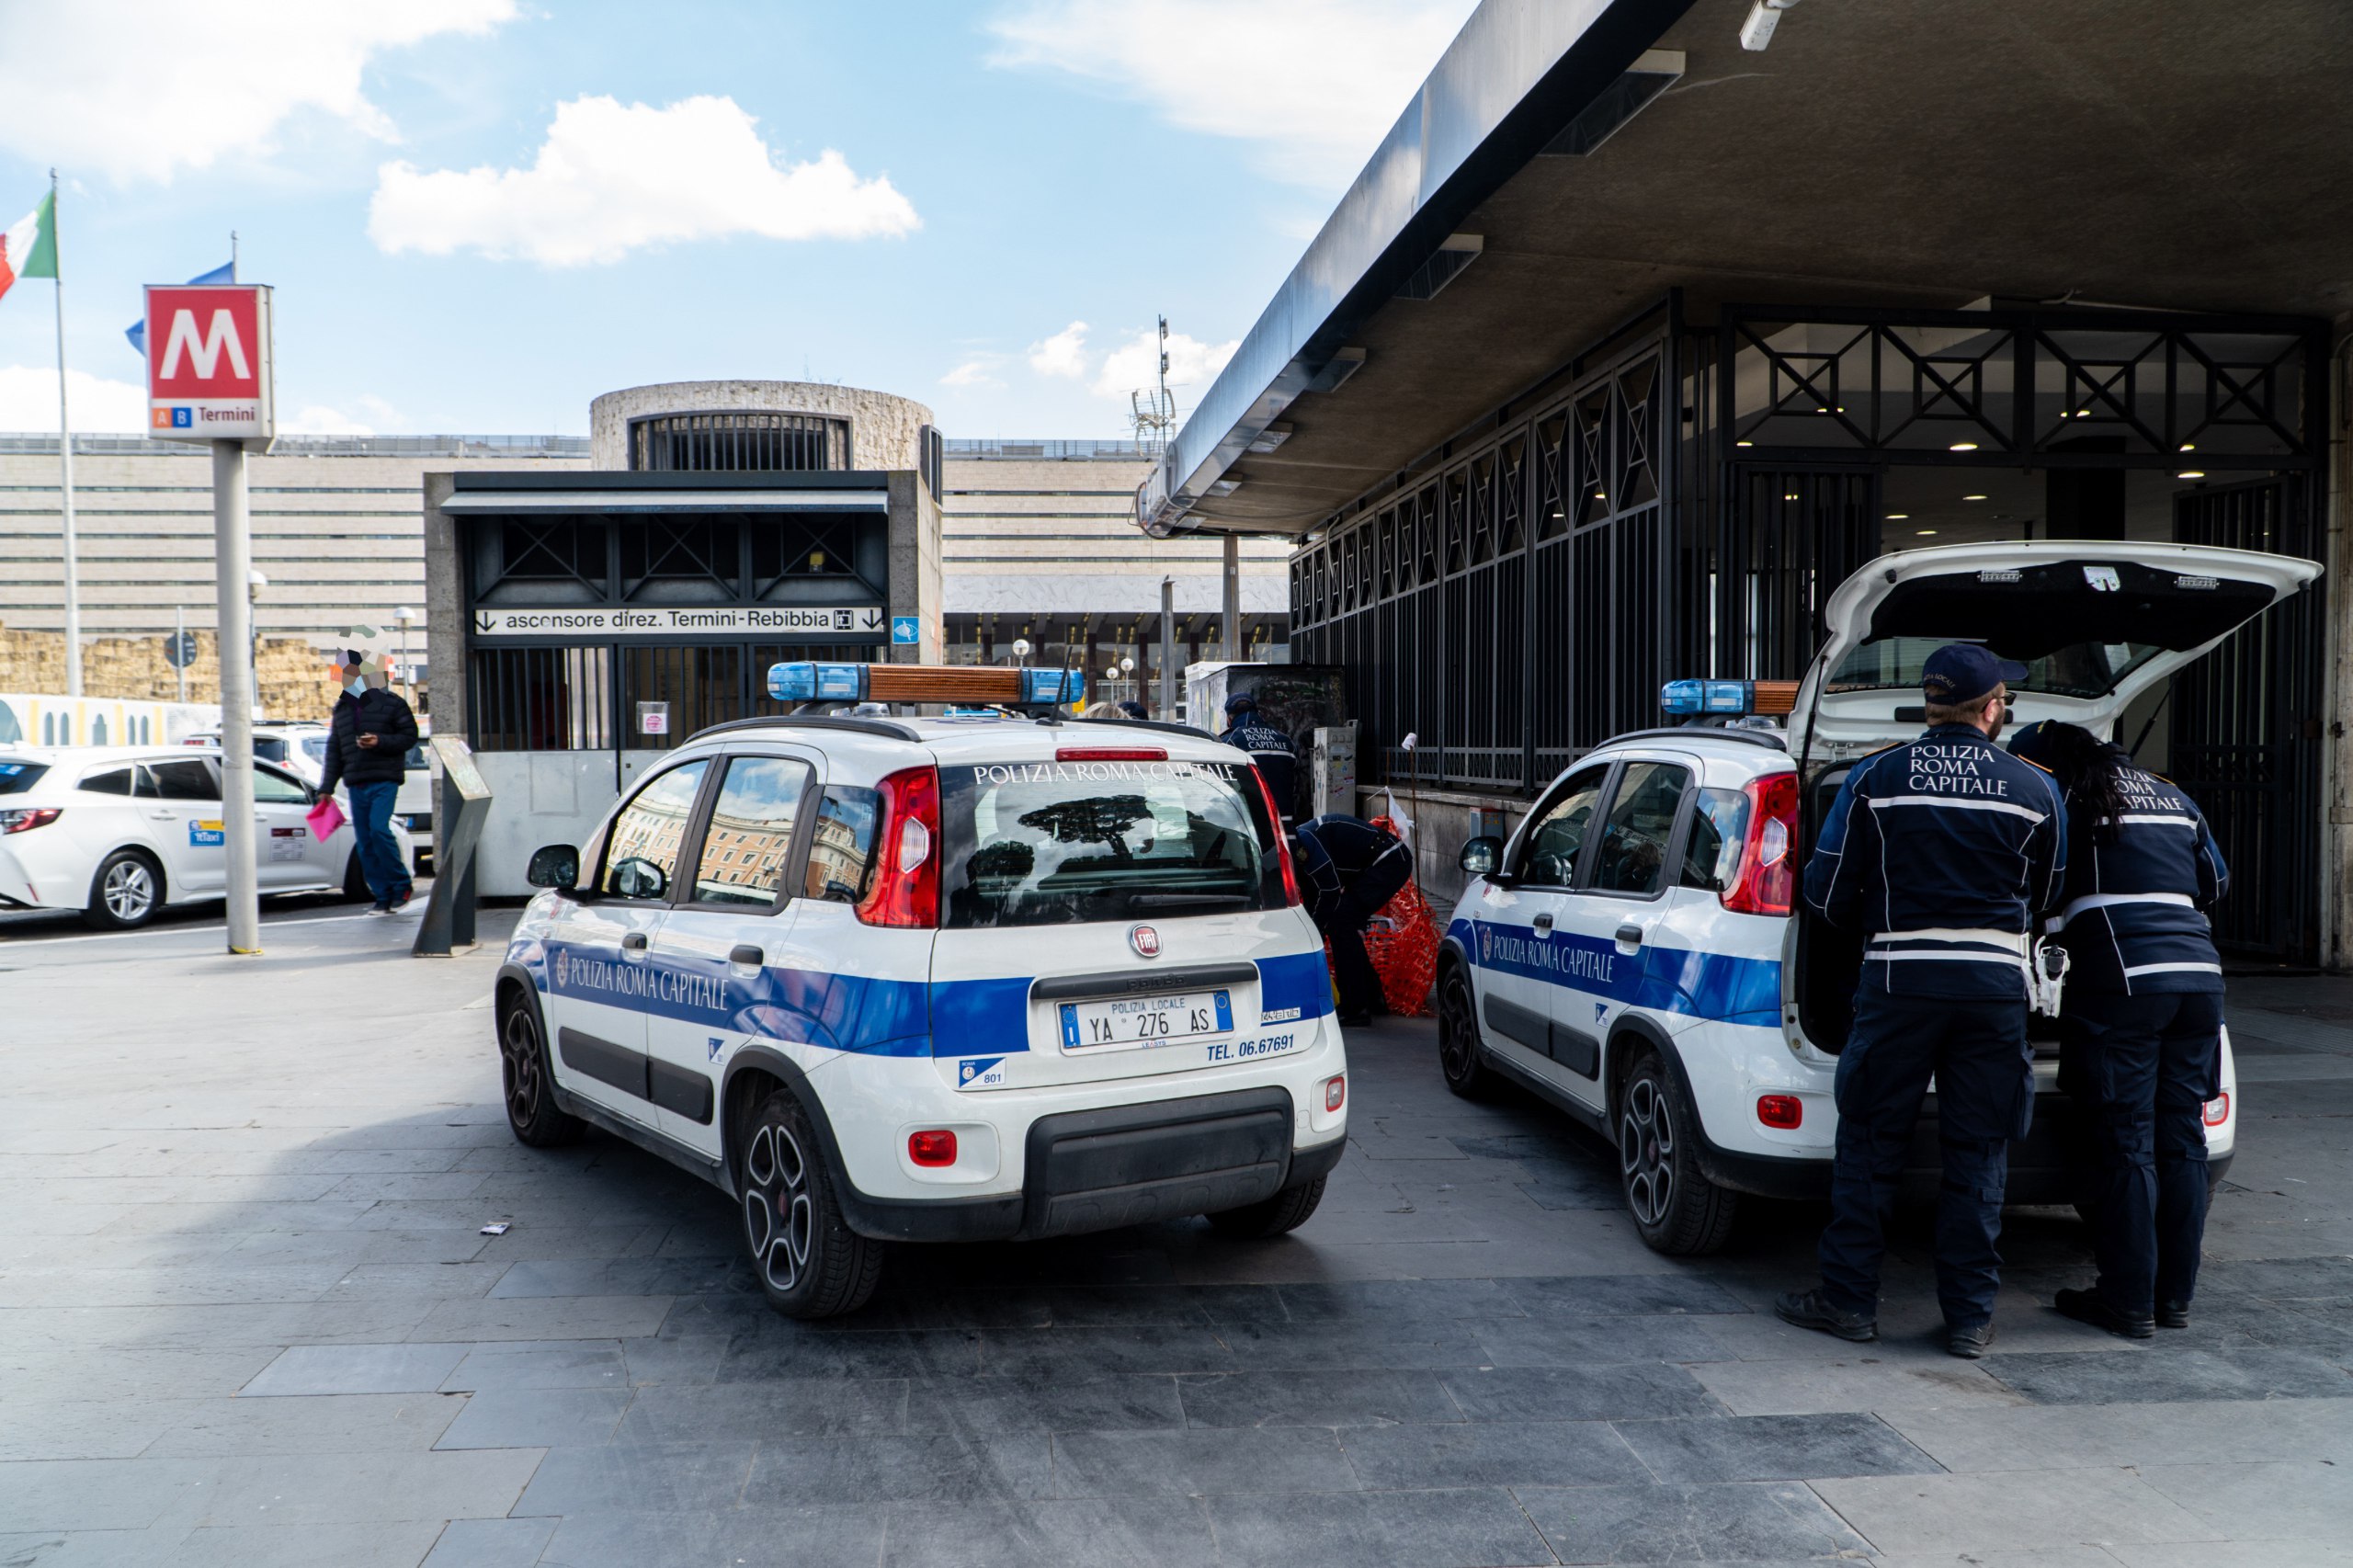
{"x":137,"y":331}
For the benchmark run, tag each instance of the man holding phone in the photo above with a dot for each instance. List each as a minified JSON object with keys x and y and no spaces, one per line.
{"x":368,"y":746}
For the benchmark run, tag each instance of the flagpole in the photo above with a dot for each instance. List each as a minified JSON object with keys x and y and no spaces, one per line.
{"x":65,"y":475}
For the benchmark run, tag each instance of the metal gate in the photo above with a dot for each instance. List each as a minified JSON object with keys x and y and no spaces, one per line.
{"x":2248,"y":727}
{"x":1793,"y":536}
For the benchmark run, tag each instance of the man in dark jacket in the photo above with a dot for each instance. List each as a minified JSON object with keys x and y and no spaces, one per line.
{"x":367,"y":745}
{"x":1348,"y":870}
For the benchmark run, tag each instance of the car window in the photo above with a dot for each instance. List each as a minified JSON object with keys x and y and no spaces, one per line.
{"x":270,"y":748}
{"x":108,"y":781}
{"x":416,"y":760}
{"x":641,"y":851}
{"x":275,"y":789}
{"x":1718,"y":829}
{"x":191,"y":778}
{"x":749,"y":840}
{"x":843,"y":848}
{"x":315,"y":748}
{"x":1547,"y":851}
{"x":1631,"y":855}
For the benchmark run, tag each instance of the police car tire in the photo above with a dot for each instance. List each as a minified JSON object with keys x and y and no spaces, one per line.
{"x":527,"y":1085}
{"x":1285,"y":1211}
{"x":1461,"y":1058}
{"x":809,"y":1262}
{"x":1684,"y":1214}
{"x":98,"y":914}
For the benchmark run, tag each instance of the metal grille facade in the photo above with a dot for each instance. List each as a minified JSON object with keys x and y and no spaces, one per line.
{"x":585,"y":698}
{"x":738,"y":442}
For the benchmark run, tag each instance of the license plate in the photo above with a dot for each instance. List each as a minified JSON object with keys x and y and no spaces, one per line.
{"x":1127,"y":1023}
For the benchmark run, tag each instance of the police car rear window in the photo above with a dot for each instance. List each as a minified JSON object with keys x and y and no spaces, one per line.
{"x":2079,"y":669}
{"x":15,"y":778}
{"x":1059,"y":843}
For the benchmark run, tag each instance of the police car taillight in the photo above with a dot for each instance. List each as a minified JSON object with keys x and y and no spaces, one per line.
{"x":1282,"y":841}
{"x":1768,"y":875}
{"x":906,"y":890}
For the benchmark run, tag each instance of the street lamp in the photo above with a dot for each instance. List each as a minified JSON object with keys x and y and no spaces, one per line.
{"x":408,"y":677}
{"x":1021,"y":650}
{"x":255,"y":580}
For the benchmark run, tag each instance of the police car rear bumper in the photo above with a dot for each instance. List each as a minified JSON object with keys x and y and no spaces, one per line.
{"x":1100,"y":1170}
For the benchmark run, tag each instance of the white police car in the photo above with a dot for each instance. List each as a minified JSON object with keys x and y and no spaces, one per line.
{"x":934,"y":979}
{"x":1633,"y":955}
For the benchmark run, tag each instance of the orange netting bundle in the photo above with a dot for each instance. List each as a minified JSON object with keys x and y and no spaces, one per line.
{"x":1402,"y":943}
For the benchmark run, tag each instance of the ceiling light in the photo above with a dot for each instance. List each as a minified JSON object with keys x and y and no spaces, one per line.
{"x":2189,"y":446}
{"x":1897,"y":517}
{"x":1763,"y":18}
{"x":1963,"y":447}
{"x":1973,"y":498}
{"x":1927,"y":533}
{"x":2191,"y":474}
{"x":1743,"y":443}
{"x":1790,"y":495}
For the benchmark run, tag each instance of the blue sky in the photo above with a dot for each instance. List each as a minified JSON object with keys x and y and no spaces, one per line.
{"x":478,"y":214}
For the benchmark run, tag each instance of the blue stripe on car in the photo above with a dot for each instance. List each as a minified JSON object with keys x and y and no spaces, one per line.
{"x":1659,"y":978}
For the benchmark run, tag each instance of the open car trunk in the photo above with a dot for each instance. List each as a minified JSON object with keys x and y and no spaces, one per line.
{"x":2095,"y":622}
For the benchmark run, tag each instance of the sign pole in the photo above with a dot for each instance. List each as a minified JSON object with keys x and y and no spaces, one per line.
{"x":233,"y":548}
{"x":180,"y":629}
{"x":1168,"y":651}
{"x":65,"y":484}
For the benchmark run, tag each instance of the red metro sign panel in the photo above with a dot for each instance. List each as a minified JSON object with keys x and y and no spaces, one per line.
{"x":208,"y":362}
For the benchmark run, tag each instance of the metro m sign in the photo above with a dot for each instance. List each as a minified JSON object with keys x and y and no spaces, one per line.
{"x":207,"y":363}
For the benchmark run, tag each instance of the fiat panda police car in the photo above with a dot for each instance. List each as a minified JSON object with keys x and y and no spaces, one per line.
{"x":934,"y":979}
{"x":1636,"y":954}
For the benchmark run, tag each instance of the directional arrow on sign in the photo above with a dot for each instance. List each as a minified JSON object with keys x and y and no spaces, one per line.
{"x":873,"y":619}
{"x":483,"y":621}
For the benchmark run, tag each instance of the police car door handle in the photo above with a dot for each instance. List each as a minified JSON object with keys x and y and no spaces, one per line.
{"x":1631,"y":933}
{"x":1543,"y":922}
{"x":634,"y":942}
{"x":744,"y":953}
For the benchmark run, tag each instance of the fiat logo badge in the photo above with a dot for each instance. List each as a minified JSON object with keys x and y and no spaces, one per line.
{"x":1144,"y":940}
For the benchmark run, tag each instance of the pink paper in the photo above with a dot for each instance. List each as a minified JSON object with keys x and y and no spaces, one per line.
{"x":325,"y":817}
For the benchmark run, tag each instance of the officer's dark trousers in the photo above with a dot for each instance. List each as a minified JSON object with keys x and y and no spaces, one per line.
{"x":2140,"y":1070}
{"x":1977,"y":1053}
{"x":1343,"y":926}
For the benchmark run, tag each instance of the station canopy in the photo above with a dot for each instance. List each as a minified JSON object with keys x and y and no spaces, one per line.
{"x":1570,"y":162}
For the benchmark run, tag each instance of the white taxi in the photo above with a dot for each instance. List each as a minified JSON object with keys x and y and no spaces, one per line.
{"x":934,"y":980}
{"x":1636,"y":954}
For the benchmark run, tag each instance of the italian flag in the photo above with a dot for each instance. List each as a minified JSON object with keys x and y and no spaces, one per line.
{"x":29,"y":248}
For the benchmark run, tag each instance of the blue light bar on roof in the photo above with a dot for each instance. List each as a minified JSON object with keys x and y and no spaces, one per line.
{"x":1053,"y":685}
{"x":805,"y":682}
{"x":1707,"y":696}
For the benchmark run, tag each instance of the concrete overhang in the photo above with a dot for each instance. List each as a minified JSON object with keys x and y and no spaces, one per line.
{"x":2167,"y":154}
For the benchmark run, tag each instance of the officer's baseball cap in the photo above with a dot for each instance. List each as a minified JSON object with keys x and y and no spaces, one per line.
{"x":1240,"y":701}
{"x":1964,"y":672}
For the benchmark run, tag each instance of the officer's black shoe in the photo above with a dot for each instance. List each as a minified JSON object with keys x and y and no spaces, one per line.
{"x":2089,"y":1306}
{"x":1806,"y":1308}
{"x":2173,"y":1314}
{"x":1968,"y":1341}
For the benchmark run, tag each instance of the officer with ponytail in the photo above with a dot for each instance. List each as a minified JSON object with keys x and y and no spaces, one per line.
{"x":2140,"y":1021}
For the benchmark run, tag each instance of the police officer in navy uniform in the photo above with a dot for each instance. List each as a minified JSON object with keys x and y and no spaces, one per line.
{"x":2140,"y":1021}
{"x":1940,"y":853}
{"x":1348,"y":870}
{"x":1268,"y":747}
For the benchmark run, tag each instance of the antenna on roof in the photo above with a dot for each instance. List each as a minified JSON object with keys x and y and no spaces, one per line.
{"x":1153,"y":412}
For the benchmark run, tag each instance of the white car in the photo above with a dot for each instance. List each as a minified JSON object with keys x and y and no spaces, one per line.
{"x":1633,"y":955}
{"x":300,"y":746}
{"x":935,"y":980}
{"x":120,"y":833}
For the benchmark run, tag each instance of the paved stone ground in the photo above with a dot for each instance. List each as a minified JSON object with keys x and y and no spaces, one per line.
{"x":246,"y":1317}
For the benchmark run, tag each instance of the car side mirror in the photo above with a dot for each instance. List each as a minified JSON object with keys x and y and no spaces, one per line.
{"x":554,"y":866}
{"x":1482,"y":854}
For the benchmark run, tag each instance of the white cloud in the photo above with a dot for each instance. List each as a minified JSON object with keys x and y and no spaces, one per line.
{"x":318,"y":419}
{"x":1065,"y":354}
{"x":611,"y":177}
{"x":28,"y":401}
{"x":1134,"y":365}
{"x":135,"y":90}
{"x":1315,"y":83}
{"x":978,"y":371}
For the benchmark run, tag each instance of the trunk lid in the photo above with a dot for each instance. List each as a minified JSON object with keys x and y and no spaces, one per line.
{"x":2096,"y":622}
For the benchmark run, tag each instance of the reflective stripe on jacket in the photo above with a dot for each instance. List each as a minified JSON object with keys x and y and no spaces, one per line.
{"x":1940,"y":852}
{"x":2132,"y":919}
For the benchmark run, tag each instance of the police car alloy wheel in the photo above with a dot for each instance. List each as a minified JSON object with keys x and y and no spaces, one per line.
{"x":532,"y":1114}
{"x":1678,"y":1210}
{"x":809,"y":1263}
{"x":125,"y":893}
{"x":1458,"y":1038}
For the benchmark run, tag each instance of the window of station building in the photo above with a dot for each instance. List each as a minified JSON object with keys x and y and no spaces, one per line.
{"x":749,"y":841}
{"x":680,"y":560}
{"x":542,"y":699}
{"x":739,"y":443}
